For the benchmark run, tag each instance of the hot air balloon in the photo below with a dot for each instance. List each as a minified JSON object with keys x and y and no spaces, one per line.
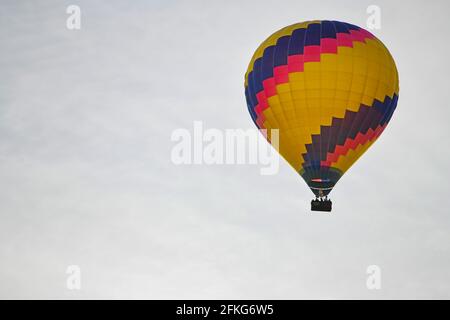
{"x":330,"y":88}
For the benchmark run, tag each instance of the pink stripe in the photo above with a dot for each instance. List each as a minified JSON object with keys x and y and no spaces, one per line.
{"x":344,"y":40}
{"x":366,"y":34}
{"x":328,"y":45}
{"x":357,"y":36}
{"x":295,"y":63}
{"x":258,"y":109}
{"x":311,"y":53}
{"x":260,"y":122}
{"x":360,"y":139}
{"x":269,"y":87}
{"x":262,"y":100}
{"x":281,"y":74}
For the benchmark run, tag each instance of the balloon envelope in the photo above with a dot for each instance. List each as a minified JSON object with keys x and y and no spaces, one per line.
{"x":330,"y":88}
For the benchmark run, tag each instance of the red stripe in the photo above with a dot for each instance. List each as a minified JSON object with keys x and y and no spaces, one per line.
{"x":352,"y":144}
{"x":260,"y":121}
{"x":269,"y":87}
{"x":357,"y":36}
{"x":344,"y":40}
{"x":260,"y":107}
{"x":328,"y":45}
{"x":262,"y":100}
{"x":311,"y":54}
{"x":281,"y":74}
{"x":295,"y":63}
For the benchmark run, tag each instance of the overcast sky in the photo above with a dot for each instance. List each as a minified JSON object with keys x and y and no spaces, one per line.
{"x":86,"y":176}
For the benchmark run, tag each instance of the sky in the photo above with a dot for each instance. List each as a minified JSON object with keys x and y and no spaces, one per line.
{"x":86,"y":176}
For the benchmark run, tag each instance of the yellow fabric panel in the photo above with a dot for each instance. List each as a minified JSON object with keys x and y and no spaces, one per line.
{"x":290,"y":135}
